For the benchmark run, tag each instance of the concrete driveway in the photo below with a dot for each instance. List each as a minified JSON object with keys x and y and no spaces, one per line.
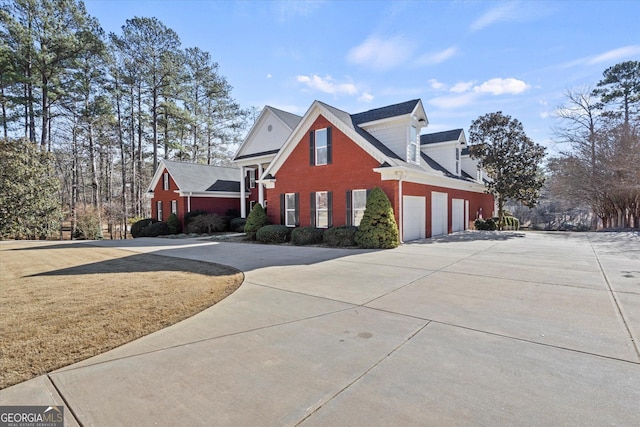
{"x":476,"y":328}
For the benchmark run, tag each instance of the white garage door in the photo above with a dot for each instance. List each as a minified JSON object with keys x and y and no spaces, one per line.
{"x":439,"y":213}
{"x":457,"y":214}
{"x":413,"y":217}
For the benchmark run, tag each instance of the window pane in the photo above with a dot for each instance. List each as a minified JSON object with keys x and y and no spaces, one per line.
{"x":290,"y":201}
{"x":323,"y":219}
{"x":291,"y":218}
{"x":321,"y":200}
{"x":321,"y":138}
{"x":357,"y":217}
{"x":321,"y":156}
{"x":412,"y":152}
{"x":359,"y":199}
{"x":414,"y":134}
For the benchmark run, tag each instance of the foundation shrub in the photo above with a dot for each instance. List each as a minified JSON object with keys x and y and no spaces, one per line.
{"x":273,"y":234}
{"x":156,"y":229}
{"x":344,"y":235}
{"x":237,"y":224}
{"x":138,"y":226}
{"x":173,"y":223}
{"x":307,"y":236}
{"x":378,"y":228}
{"x":257,"y":218}
{"x":207,"y":223}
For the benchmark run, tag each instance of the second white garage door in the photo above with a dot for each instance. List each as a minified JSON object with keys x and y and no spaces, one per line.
{"x":413,"y":218}
{"x":439,"y":214}
{"x":457,"y":215}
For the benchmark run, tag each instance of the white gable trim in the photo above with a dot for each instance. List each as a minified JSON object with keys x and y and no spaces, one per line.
{"x":266,"y":111}
{"x":316,"y":110}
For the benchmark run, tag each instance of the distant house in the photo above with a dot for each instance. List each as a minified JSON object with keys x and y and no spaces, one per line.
{"x":180,"y":187}
{"x":315,"y":170}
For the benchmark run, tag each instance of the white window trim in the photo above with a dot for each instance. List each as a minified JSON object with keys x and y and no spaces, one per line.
{"x":326,"y":146}
{"x":318,"y":210}
{"x":288,"y":209}
{"x":159,"y":212}
{"x":355,"y":210}
{"x":413,"y":142}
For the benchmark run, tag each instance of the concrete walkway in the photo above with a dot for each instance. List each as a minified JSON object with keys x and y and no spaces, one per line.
{"x":476,"y":328}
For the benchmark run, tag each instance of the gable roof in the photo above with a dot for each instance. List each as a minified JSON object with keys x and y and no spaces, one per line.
{"x":290,"y":119}
{"x":198,"y":178}
{"x":389,"y":111}
{"x":446,"y":136}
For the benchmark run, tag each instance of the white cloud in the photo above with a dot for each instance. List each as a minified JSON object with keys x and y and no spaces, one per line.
{"x":327,"y":85}
{"x":615,"y":54}
{"x":454,"y":101}
{"x":365,"y":97}
{"x":503,"y":12}
{"x":435,"y":84}
{"x":381,"y":54}
{"x":437,"y":57}
{"x":461,"y":87}
{"x":544,"y":114}
{"x":500,"y":86}
{"x":269,"y":75}
{"x":290,"y":10}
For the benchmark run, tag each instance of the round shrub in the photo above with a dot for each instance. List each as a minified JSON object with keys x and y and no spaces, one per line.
{"x":306,"y":236}
{"x":173,"y":223}
{"x":208,"y":223}
{"x":378,"y":228}
{"x":257,"y":218}
{"x":139,"y":226}
{"x":273,"y":234}
{"x":344,"y":235}
{"x":156,"y":229}
{"x":487,"y":225}
{"x":237,"y":224}
{"x":188,"y":217}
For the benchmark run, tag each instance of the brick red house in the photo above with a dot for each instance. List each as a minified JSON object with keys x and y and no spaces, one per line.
{"x":180,"y":187}
{"x":316,"y":169}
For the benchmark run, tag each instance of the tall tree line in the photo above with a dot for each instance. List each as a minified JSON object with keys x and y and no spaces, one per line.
{"x":601,"y":127}
{"x":109,"y":106}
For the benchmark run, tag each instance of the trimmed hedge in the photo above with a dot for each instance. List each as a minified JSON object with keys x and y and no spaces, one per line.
{"x":273,"y":234}
{"x":378,"y":228}
{"x":488,"y":225}
{"x":139,"y":226}
{"x":237,"y":224}
{"x":344,"y":235}
{"x":307,"y":236}
{"x":188,"y":217}
{"x":156,"y":229}
{"x":257,"y":218}
{"x":209,"y":223}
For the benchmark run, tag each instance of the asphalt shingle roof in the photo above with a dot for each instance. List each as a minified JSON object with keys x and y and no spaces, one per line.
{"x":200,"y":178}
{"x":434,"y":138}
{"x":385,"y":112}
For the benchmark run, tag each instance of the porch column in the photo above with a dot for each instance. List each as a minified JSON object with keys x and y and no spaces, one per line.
{"x":243,"y":196}
{"x":260,"y":187}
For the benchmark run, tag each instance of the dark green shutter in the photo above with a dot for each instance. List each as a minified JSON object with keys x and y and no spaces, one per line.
{"x":312,"y":209}
{"x":330,"y":209}
{"x":349,"y":214}
{"x":297,"y":205}
{"x":312,"y":148}
{"x":282,"y":209}
{"x":329,"y":150}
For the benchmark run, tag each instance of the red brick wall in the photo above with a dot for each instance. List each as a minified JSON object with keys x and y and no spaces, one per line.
{"x":351,"y":169}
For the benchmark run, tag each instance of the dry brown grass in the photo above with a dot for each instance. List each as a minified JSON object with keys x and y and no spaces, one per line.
{"x":62,"y":303}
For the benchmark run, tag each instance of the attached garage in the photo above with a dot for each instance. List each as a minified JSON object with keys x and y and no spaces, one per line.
{"x":413,"y":218}
{"x":439,"y":214}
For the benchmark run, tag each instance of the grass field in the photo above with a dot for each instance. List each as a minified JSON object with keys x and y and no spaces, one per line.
{"x":64,"y":302}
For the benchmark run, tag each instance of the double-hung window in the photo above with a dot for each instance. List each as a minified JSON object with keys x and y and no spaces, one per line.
{"x":252,"y":178}
{"x":322,"y":209}
{"x":320,"y":147}
{"x":290,"y":209}
{"x":413,"y":149}
{"x":159,"y":210}
{"x":358,"y":205}
{"x":174,"y":207}
{"x":165,"y":181}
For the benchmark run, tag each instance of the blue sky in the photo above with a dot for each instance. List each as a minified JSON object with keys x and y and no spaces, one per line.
{"x":462,"y":58}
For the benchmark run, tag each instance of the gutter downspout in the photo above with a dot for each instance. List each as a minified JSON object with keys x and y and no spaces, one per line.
{"x":401,"y":176}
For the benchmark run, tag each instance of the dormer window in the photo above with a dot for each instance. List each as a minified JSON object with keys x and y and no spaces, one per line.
{"x":413,"y":147}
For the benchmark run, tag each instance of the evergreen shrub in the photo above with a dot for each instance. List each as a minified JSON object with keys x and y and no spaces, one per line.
{"x":138,"y":226}
{"x":156,"y":229}
{"x":257,"y":218}
{"x":378,"y":228}
{"x":307,"y":236}
{"x":237,"y":224}
{"x":207,"y":223}
{"x":344,"y":235}
{"x":487,"y":225}
{"x":273,"y":234}
{"x":173,"y":223}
